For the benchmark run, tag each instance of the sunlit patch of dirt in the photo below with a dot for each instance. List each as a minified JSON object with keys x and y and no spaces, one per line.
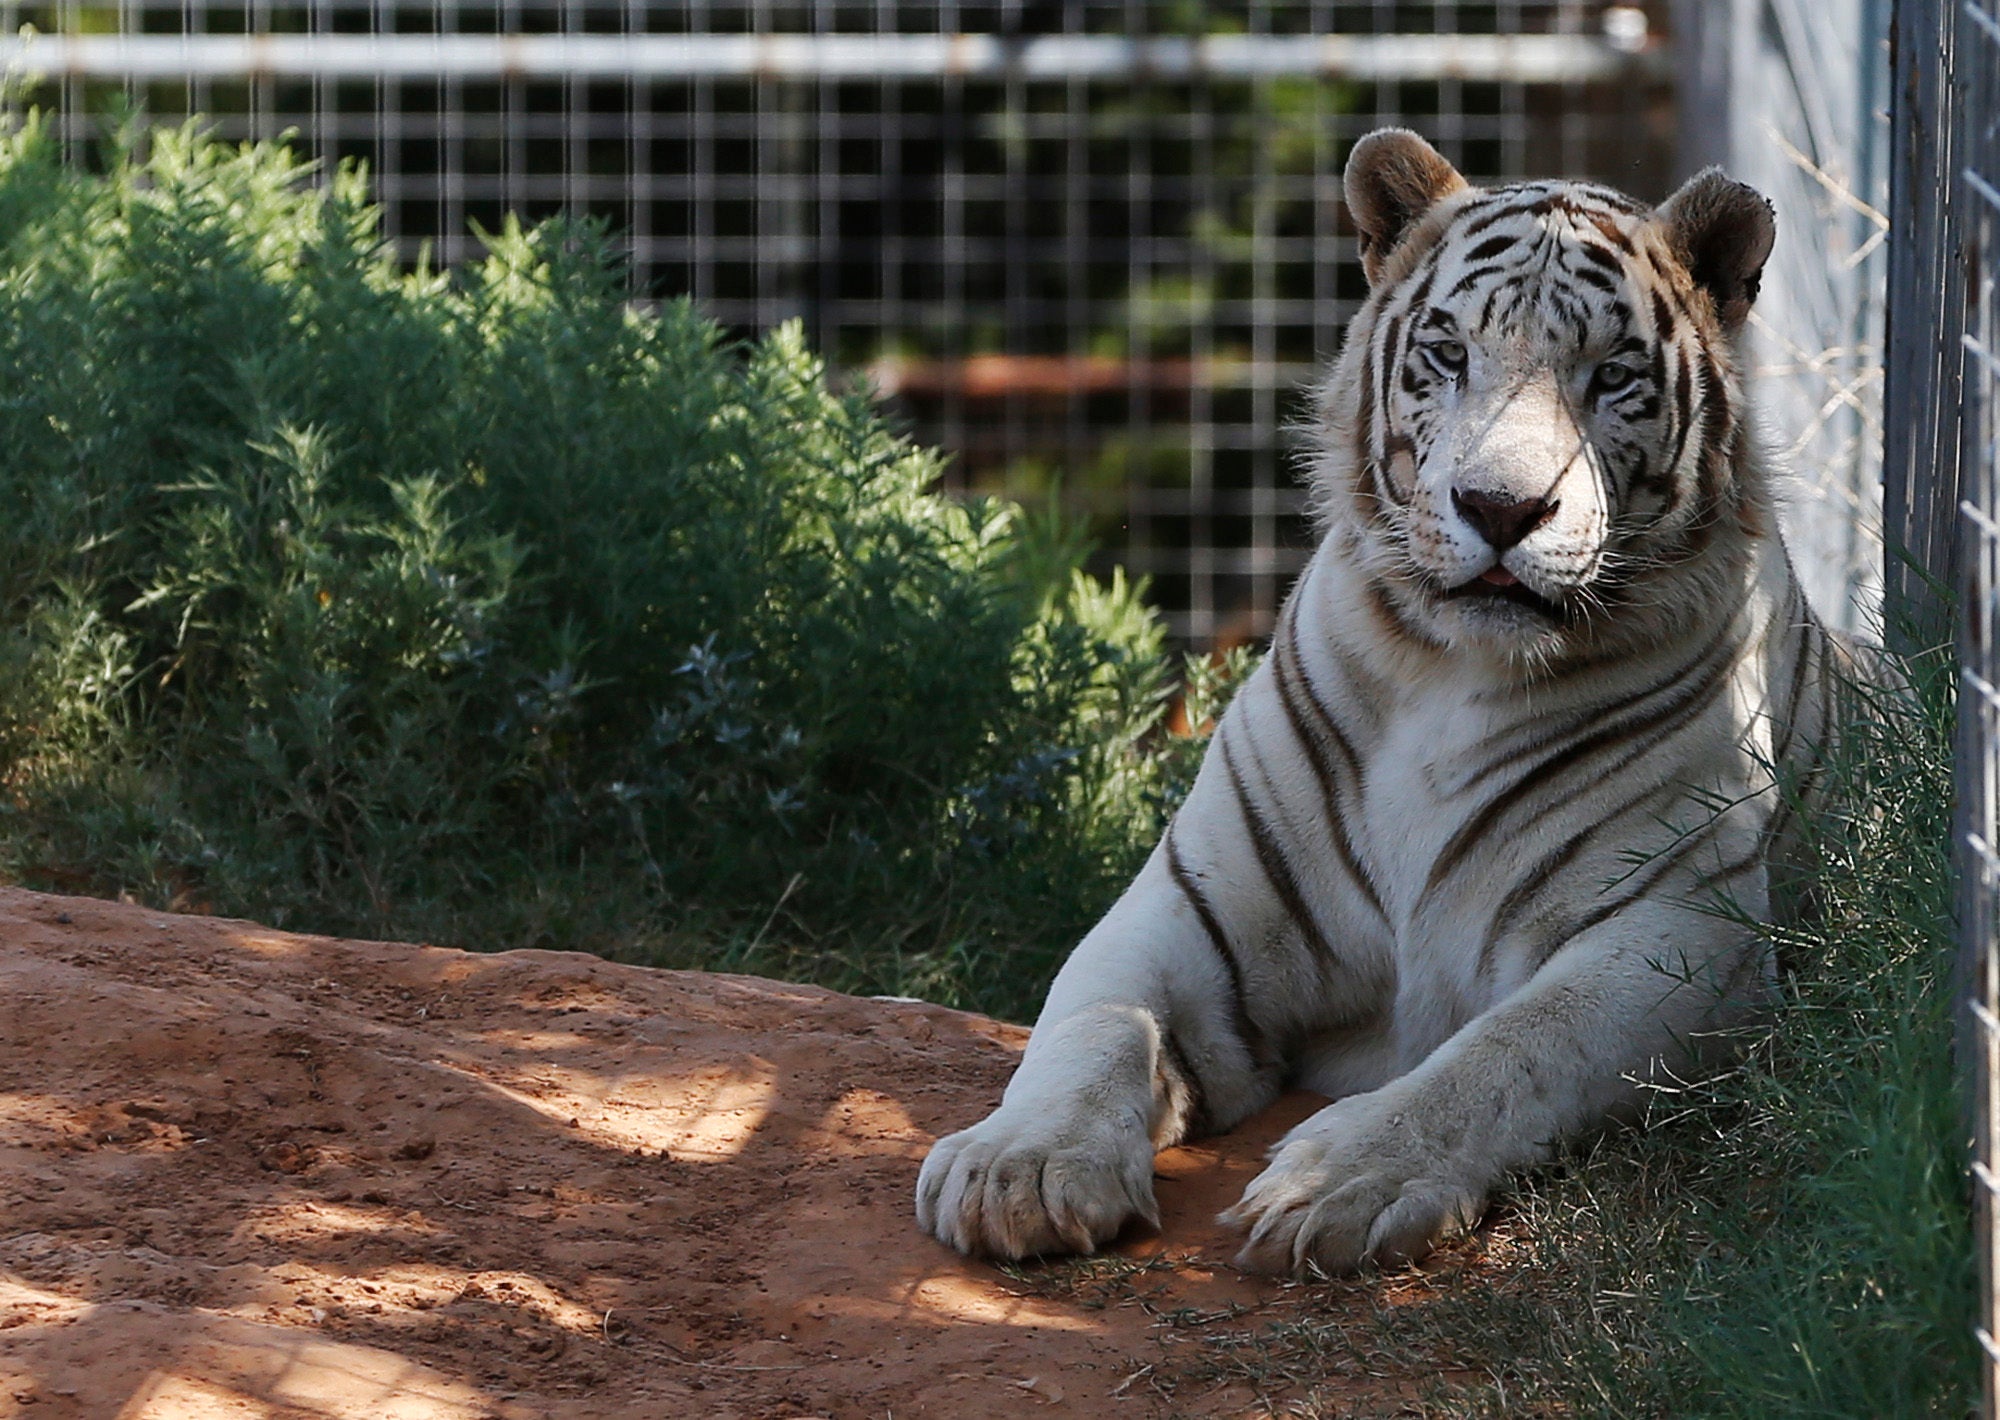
{"x":245,"y":1173}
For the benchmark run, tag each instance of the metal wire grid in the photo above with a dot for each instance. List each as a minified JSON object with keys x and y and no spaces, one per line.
{"x":1788,"y":95}
{"x":1976,"y":141}
{"x":1104,"y":286}
{"x":1941,"y":461}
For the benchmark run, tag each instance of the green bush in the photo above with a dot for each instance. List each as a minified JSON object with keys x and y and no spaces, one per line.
{"x":485,"y":608}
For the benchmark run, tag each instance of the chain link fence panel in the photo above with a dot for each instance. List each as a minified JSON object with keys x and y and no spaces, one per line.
{"x":1092,"y":249}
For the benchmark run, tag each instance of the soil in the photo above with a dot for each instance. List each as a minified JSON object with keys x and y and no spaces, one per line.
{"x":249,"y":1173}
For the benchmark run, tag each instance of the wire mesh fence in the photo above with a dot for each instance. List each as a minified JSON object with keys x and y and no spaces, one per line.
{"x":1788,"y":96}
{"x":1942,"y":496}
{"x":1092,"y":248}
{"x":1975,"y":163}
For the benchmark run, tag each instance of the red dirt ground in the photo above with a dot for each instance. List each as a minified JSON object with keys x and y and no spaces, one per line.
{"x":247,"y":1173}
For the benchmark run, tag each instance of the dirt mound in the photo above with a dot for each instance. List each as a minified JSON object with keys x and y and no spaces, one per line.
{"x":246,"y":1173}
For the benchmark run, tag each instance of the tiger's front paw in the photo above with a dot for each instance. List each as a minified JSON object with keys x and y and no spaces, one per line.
{"x":1018,"y":1184}
{"x":1358,"y":1184}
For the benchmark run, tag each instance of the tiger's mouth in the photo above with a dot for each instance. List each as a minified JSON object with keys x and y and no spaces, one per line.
{"x":1487,"y":587}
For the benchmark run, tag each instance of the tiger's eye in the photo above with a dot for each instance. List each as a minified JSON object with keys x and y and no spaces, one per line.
{"x":1447,"y":355}
{"x":1612,"y":376}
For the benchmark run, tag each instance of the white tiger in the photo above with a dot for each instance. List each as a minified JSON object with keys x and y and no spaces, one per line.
{"x":1452,"y":854}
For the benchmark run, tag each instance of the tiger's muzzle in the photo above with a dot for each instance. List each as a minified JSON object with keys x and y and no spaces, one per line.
{"x":1510,"y":507}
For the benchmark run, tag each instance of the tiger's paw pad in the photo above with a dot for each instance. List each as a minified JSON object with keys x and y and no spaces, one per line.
{"x":1324,"y":1204}
{"x":1014,"y":1187}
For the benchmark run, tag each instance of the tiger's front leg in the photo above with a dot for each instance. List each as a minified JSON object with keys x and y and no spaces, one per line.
{"x":1382,"y":1177}
{"x":1134,"y":1047}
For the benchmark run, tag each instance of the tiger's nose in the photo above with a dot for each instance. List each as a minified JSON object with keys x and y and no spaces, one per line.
{"x":1501,"y":520}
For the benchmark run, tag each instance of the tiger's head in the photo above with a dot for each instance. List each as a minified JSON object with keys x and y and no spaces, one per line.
{"x":1535,"y":440}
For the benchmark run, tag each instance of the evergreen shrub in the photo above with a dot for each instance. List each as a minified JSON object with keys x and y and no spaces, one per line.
{"x":486,"y":608}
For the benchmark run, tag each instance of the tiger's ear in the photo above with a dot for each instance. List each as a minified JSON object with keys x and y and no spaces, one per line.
{"x":1393,"y":177}
{"x":1722,"y":232}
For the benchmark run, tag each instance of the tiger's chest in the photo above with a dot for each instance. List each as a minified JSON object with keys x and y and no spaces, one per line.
{"x":1481,"y":821}
{"x":1413,"y":804}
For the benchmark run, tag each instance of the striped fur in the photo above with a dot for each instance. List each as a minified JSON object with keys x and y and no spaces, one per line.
{"x":1449,"y":858}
